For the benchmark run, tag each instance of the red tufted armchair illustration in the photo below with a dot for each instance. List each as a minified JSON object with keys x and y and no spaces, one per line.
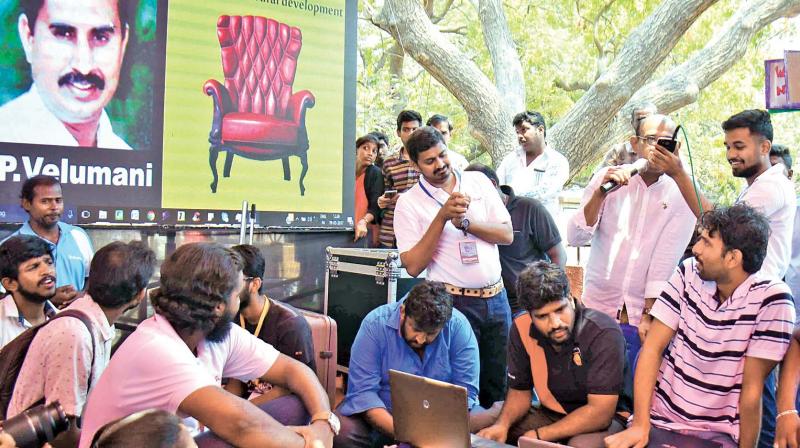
{"x":256,"y":115}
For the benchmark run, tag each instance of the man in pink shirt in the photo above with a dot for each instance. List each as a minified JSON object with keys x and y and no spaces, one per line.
{"x":176,"y":360}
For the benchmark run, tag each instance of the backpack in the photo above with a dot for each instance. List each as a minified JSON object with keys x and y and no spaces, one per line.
{"x":12,"y":355}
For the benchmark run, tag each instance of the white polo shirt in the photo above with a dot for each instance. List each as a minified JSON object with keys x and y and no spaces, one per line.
{"x":154,"y":368}
{"x":637,"y":241}
{"x":59,"y":358}
{"x":12,"y":323}
{"x":542,"y":180}
{"x":772,"y":194}
{"x":416,"y":210}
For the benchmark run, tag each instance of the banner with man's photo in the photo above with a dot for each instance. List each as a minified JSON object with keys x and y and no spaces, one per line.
{"x":174,"y":112}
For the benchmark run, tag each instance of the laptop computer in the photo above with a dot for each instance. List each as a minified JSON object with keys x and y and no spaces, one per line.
{"x":432,"y":414}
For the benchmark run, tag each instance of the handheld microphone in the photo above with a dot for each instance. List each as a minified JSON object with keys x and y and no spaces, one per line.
{"x":632,"y":168}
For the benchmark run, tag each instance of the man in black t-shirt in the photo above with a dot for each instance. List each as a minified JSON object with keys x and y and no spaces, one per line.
{"x":536,"y":236}
{"x":276,"y":323}
{"x":575,"y":359}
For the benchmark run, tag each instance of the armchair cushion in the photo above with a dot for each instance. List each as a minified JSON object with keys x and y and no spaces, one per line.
{"x":247,"y":127}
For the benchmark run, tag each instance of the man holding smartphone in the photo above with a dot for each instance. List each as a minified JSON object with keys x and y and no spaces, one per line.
{"x":638,"y":232}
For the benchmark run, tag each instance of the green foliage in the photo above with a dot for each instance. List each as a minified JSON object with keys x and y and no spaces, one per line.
{"x":556,"y":40}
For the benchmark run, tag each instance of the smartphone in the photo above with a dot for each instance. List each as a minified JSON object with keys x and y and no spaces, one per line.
{"x":669,"y":143}
{"x":390,"y":193}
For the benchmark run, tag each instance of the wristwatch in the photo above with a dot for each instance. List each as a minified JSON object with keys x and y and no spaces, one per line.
{"x":464,"y":225}
{"x":330,"y":418}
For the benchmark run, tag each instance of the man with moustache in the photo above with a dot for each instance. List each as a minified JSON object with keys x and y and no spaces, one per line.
{"x":748,"y":140}
{"x":450,"y":223}
{"x":64,"y":357}
{"x":176,"y":359}
{"x":75,"y":49}
{"x":718,"y":329}
{"x":534,"y":170}
{"x":421,"y":334}
{"x":71,"y":247}
{"x":29,"y":278}
{"x":573,"y":356}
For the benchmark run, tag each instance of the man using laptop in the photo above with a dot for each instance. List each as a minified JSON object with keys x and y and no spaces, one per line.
{"x":573,"y":356}
{"x":421,"y":334}
{"x":724,"y":326}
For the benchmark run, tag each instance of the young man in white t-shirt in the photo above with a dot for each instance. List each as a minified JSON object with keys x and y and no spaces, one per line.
{"x":176,"y":360}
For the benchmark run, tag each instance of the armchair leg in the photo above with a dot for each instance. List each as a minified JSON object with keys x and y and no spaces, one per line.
{"x":228,"y":162}
{"x":304,"y":162}
{"x":213,"y":153}
{"x":287,"y":173}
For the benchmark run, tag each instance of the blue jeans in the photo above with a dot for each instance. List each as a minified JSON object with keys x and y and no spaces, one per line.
{"x":490,"y":320}
{"x":768,"y":411}
{"x":632,"y":346}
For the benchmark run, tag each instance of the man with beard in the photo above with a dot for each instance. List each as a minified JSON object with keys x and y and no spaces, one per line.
{"x":574,"y":357}
{"x":29,"y":277}
{"x":276,"y":323}
{"x":75,"y":49}
{"x":176,"y":359}
{"x":450,"y":223}
{"x":718,"y":329}
{"x":748,"y":140}
{"x":62,"y":359}
{"x":421,"y":334}
{"x":72,"y":249}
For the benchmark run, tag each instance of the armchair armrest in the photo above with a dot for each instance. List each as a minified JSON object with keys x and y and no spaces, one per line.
{"x":298,"y":103}
{"x":219,"y":94}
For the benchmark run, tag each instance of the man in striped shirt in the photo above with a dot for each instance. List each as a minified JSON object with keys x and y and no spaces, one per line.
{"x":399,"y":175}
{"x":724,"y":327}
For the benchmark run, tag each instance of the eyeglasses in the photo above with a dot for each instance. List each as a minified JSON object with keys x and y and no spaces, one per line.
{"x":652,"y":140}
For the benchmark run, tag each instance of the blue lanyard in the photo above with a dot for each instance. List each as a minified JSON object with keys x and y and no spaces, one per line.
{"x":422,"y":185}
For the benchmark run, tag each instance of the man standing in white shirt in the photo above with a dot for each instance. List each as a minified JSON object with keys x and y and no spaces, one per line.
{"x":75,"y":49}
{"x":176,"y":359}
{"x":637,"y":232}
{"x":450,"y":223}
{"x":28,"y":274}
{"x":534,"y":170}
{"x":748,"y":140}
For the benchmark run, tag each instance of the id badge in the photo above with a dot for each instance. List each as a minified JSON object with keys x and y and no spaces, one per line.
{"x":469,"y":252}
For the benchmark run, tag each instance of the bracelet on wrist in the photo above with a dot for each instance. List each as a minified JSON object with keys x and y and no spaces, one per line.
{"x":787,"y":412}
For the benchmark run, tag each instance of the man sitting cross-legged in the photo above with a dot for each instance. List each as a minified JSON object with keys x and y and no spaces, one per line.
{"x":574,"y":357}
{"x":421,"y":334}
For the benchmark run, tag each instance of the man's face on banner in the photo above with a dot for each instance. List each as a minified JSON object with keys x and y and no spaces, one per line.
{"x":75,"y":50}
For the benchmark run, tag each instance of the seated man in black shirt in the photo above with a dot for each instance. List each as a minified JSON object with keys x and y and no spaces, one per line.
{"x":276,"y":323}
{"x":536,"y":236}
{"x":573,"y":356}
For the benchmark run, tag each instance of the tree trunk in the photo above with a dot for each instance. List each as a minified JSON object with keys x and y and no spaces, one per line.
{"x":408,"y":23}
{"x":508,"y":76}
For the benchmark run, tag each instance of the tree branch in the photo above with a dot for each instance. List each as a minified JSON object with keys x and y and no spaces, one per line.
{"x":643,"y":51}
{"x":461,"y":30}
{"x":682,"y":85}
{"x":407,"y":23}
{"x":505,"y":60}
{"x":572,"y":86}
{"x":438,"y":17}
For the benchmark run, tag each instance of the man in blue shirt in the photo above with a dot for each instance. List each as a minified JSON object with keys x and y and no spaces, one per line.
{"x":422,"y":335}
{"x":72,"y":249}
